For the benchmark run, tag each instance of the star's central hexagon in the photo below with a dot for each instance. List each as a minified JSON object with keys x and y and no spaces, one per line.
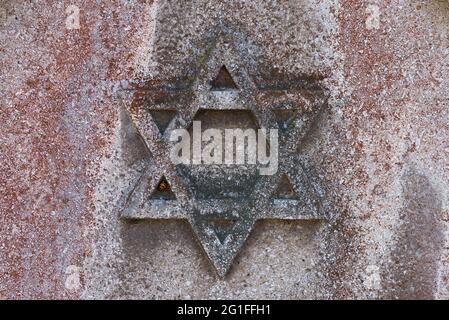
{"x":221,"y":180}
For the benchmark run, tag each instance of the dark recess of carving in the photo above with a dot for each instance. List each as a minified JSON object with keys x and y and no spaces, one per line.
{"x":223,"y":81}
{"x":162,"y":118}
{"x":284,"y":190}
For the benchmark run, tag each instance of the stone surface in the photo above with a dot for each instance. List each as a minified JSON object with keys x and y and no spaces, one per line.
{"x":70,"y":153}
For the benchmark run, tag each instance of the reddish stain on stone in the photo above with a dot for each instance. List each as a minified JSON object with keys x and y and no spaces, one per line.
{"x":56,"y":116}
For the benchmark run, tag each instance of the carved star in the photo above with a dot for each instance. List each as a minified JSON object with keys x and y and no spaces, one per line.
{"x":222,"y":83}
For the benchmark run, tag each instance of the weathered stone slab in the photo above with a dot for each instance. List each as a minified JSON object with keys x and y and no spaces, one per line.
{"x":357,"y":90}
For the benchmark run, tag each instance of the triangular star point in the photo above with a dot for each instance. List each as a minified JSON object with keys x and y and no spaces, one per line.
{"x":223,"y":81}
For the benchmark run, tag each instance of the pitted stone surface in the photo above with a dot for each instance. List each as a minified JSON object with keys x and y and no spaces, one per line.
{"x":70,"y":154}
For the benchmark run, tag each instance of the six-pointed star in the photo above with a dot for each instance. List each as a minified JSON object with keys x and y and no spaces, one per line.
{"x":165,"y":191}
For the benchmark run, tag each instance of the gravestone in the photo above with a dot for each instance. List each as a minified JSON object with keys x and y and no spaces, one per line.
{"x":348,"y":102}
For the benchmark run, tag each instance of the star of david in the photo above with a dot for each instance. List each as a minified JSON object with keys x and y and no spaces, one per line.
{"x":222,"y":221}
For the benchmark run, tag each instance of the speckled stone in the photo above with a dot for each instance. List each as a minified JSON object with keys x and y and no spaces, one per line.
{"x":69,"y":152}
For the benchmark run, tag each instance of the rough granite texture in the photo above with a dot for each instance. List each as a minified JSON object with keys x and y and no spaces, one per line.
{"x":69,"y":153}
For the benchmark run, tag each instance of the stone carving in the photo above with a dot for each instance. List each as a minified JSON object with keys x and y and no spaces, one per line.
{"x":222,"y":202}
